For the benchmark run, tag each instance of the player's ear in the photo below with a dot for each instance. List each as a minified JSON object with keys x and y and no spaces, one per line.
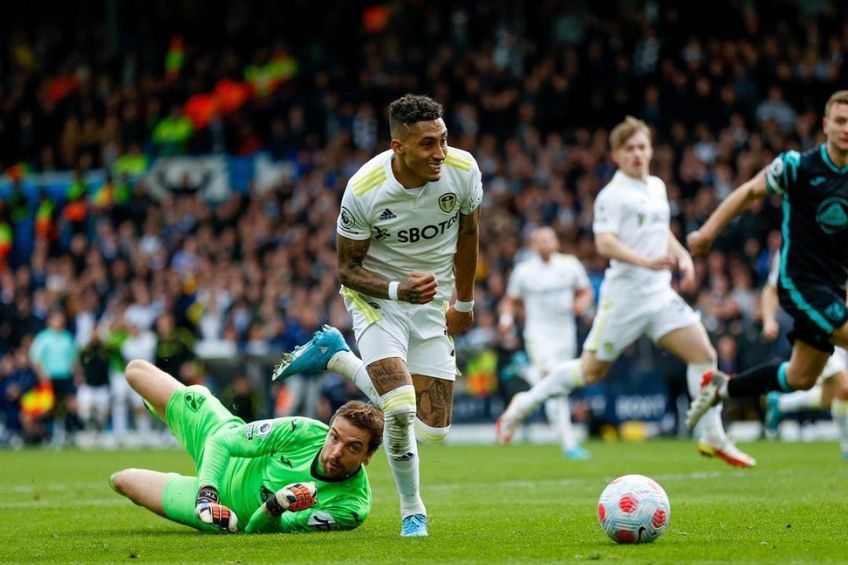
{"x":397,"y":146}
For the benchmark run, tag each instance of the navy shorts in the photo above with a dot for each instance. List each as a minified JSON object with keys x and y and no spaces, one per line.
{"x":817,"y":310}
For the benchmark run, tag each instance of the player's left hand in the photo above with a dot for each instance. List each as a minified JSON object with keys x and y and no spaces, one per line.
{"x":458,"y":322}
{"x":293,"y":498}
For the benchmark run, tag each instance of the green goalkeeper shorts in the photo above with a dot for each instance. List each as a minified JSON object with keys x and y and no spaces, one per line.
{"x":193,"y":415}
{"x":178,"y":501}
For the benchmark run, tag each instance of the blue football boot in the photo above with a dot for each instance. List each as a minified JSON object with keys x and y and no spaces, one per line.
{"x":773,"y":414}
{"x":313,"y":355}
{"x":414,"y":526}
{"x":577,"y":453}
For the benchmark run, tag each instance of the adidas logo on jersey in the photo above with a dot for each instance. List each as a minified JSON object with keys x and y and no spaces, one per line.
{"x":387,"y":215}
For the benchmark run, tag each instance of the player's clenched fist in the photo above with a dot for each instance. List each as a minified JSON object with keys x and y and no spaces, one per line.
{"x":209,"y":511}
{"x":292,"y":498}
{"x":418,"y":288}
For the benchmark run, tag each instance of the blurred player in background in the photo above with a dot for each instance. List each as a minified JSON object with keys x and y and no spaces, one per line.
{"x":406,"y":232}
{"x":554,"y":289}
{"x":831,"y":388}
{"x":280,"y":475}
{"x":632,"y":229}
{"x":813,"y":260}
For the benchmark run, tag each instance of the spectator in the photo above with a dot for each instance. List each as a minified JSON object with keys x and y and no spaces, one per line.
{"x":93,"y":396}
{"x":241,"y":398}
{"x":54,"y":355}
{"x":174,"y":346}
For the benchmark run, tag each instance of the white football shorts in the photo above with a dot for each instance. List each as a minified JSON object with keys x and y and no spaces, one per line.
{"x":417,"y":333}
{"x":624,"y":318}
{"x":545,"y":351}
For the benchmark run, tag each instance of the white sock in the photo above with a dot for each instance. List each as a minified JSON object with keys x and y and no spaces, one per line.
{"x":560,"y":380}
{"x":558,"y":412}
{"x":800,"y":400}
{"x":710,"y":426}
{"x":839,"y":411}
{"x":351,"y":367}
{"x":401,"y":449}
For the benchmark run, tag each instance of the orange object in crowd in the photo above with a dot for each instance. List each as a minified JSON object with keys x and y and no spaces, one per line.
{"x":39,"y":401}
{"x":376,"y":18}
{"x":231,"y":95}
{"x":60,"y":87}
{"x":75,"y":211}
{"x":200,"y":109}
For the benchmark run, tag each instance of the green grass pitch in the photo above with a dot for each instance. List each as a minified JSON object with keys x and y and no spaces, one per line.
{"x":487,"y":504}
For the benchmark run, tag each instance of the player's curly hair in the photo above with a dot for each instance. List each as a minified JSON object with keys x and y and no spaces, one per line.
{"x":412,"y":108}
{"x":366,"y":417}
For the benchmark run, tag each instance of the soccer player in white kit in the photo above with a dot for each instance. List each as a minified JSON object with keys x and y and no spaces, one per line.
{"x":831,"y":388}
{"x":554,"y":288}
{"x":632,"y":229}
{"x":407,"y":233}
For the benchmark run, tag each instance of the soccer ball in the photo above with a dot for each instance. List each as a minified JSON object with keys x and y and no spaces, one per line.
{"x":634,"y":509}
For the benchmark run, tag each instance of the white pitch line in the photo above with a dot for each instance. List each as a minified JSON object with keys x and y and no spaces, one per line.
{"x":64,"y":486}
{"x":115,"y":501}
{"x":669,"y":477}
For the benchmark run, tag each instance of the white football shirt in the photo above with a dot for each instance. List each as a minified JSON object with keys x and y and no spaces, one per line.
{"x":547,"y":289}
{"x":410,"y":229}
{"x":637,"y":212}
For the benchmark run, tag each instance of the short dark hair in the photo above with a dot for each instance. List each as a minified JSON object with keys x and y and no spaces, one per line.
{"x":412,"y":108}
{"x":365,"y":417}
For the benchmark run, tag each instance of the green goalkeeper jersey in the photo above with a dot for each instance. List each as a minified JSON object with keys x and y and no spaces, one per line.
{"x":249,"y":463}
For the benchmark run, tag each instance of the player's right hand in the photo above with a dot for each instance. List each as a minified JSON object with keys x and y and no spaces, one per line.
{"x":209,"y":511}
{"x":771,"y":329}
{"x":418,"y":288}
{"x":699,"y":244}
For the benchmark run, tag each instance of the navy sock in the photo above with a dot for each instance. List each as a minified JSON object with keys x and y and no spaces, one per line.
{"x":759,"y":380}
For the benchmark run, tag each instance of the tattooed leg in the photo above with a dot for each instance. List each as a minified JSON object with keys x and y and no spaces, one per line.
{"x":434,"y":399}
{"x":389,"y":374}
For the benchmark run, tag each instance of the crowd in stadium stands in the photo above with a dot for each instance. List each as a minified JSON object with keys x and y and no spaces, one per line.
{"x":117,"y":273}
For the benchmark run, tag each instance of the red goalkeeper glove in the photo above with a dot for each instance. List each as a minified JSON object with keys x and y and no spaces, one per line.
{"x":293,"y":497}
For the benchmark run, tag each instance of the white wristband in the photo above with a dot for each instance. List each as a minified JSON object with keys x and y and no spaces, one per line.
{"x":393,"y":287}
{"x":461,"y":306}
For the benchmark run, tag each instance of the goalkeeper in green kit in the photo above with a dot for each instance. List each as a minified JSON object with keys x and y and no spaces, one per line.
{"x":280,"y":475}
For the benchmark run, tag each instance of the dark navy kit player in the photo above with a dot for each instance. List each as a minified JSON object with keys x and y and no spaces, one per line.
{"x":814,"y":259}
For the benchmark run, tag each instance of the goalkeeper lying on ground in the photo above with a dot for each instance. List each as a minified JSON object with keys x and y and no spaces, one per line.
{"x":281,"y":475}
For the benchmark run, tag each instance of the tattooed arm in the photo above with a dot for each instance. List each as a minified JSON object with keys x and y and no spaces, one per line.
{"x":465,"y":260}
{"x":350,"y":254}
{"x":417,"y":288}
{"x":465,"y":267}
